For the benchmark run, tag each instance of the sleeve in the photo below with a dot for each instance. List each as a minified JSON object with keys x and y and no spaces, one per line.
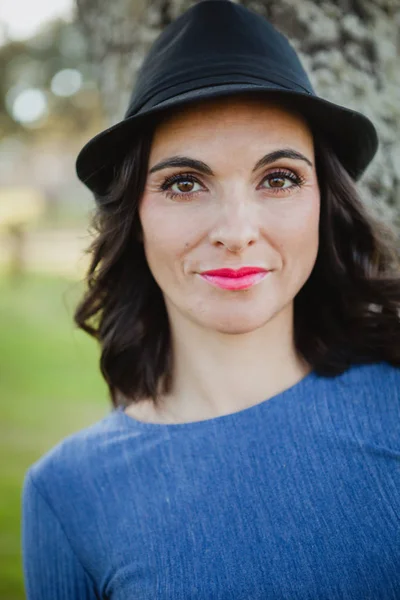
{"x":51,"y":569}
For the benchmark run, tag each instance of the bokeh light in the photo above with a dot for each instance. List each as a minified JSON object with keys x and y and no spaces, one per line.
{"x":29,"y":106}
{"x":22,"y":19}
{"x":66,"y":82}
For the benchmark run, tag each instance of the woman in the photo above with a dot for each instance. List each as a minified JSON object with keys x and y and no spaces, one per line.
{"x":252,"y":450}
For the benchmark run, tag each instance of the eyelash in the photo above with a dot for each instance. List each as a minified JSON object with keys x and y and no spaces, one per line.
{"x":178,"y":177}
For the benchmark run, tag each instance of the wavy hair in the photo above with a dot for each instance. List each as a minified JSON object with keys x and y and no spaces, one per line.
{"x":347,"y":312}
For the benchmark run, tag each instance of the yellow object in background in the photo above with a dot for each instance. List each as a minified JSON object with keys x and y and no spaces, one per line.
{"x":20,"y":206}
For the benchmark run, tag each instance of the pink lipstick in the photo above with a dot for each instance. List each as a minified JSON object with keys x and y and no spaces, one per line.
{"x":230,"y":279}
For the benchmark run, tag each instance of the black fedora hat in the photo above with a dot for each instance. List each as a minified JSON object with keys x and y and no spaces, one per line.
{"x":218,"y":48}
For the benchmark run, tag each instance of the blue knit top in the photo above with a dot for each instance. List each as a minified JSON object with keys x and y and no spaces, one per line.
{"x":297,"y":497}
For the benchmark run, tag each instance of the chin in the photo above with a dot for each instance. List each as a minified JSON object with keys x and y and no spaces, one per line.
{"x":235,"y":329}
{"x":238,"y":321}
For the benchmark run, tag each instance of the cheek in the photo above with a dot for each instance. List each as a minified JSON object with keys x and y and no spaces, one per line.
{"x":303,"y":221}
{"x":297,"y":234}
{"x":168,"y":232}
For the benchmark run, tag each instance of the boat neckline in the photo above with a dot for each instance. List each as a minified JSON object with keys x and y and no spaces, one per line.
{"x":120,"y":413}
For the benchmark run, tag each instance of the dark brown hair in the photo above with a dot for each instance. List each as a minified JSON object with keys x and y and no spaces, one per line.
{"x":347,"y":312}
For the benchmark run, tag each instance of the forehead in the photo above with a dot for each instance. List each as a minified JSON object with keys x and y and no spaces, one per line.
{"x":230,"y":119}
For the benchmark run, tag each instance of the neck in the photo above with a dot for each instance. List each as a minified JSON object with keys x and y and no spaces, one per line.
{"x":217,"y":373}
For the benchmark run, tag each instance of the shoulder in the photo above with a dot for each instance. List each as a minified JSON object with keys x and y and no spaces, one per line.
{"x":76,"y":458}
{"x":373,"y":387}
{"x":378,"y":383}
{"x":372,"y":392}
{"x":365,"y":400}
{"x":380,"y":376}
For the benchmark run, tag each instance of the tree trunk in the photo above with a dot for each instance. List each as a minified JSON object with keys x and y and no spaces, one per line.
{"x":350,"y":49}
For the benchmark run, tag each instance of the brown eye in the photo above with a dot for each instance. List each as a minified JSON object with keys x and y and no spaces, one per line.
{"x":180,"y":186}
{"x":184,"y":185}
{"x":280,"y":181}
{"x":277,"y":181}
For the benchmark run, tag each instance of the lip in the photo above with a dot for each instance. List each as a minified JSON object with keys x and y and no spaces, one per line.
{"x":235,"y":272}
{"x":230,"y":279}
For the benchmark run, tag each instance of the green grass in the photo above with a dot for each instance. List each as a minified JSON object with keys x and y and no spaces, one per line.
{"x":50,"y":386}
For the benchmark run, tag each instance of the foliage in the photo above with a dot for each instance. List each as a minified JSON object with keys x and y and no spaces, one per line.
{"x":49,"y":387}
{"x":32,"y":64}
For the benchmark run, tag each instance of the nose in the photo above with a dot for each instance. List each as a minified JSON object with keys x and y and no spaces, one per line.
{"x":236,"y":226}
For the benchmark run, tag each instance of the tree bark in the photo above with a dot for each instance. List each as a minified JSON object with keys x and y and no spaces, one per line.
{"x":350,"y":49}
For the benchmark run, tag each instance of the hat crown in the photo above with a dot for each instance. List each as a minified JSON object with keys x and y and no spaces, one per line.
{"x":218,"y":48}
{"x":216,"y":37}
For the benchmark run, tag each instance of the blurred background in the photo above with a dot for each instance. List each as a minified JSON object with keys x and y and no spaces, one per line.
{"x":67,"y":69}
{"x":49,"y":382}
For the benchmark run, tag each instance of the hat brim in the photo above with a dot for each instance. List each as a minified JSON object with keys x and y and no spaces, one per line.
{"x":351,"y":134}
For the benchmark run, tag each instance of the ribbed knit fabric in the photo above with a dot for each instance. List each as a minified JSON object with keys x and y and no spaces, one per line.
{"x":295,"y":498}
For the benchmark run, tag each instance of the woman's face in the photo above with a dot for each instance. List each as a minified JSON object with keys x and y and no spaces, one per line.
{"x":225,"y":204}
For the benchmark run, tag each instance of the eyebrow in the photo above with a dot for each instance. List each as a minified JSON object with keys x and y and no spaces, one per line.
{"x":185,"y":161}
